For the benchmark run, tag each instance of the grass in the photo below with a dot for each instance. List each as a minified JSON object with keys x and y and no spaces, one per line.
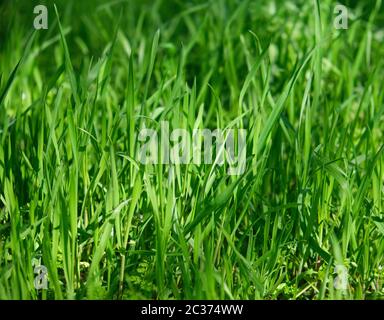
{"x":74,"y":198}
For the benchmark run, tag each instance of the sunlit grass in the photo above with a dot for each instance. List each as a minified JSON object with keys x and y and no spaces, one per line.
{"x":74,"y":197}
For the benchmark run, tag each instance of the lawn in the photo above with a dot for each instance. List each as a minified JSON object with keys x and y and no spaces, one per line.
{"x":82,"y":217}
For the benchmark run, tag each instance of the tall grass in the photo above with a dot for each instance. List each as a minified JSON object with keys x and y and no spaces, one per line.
{"x":74,"y":198}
